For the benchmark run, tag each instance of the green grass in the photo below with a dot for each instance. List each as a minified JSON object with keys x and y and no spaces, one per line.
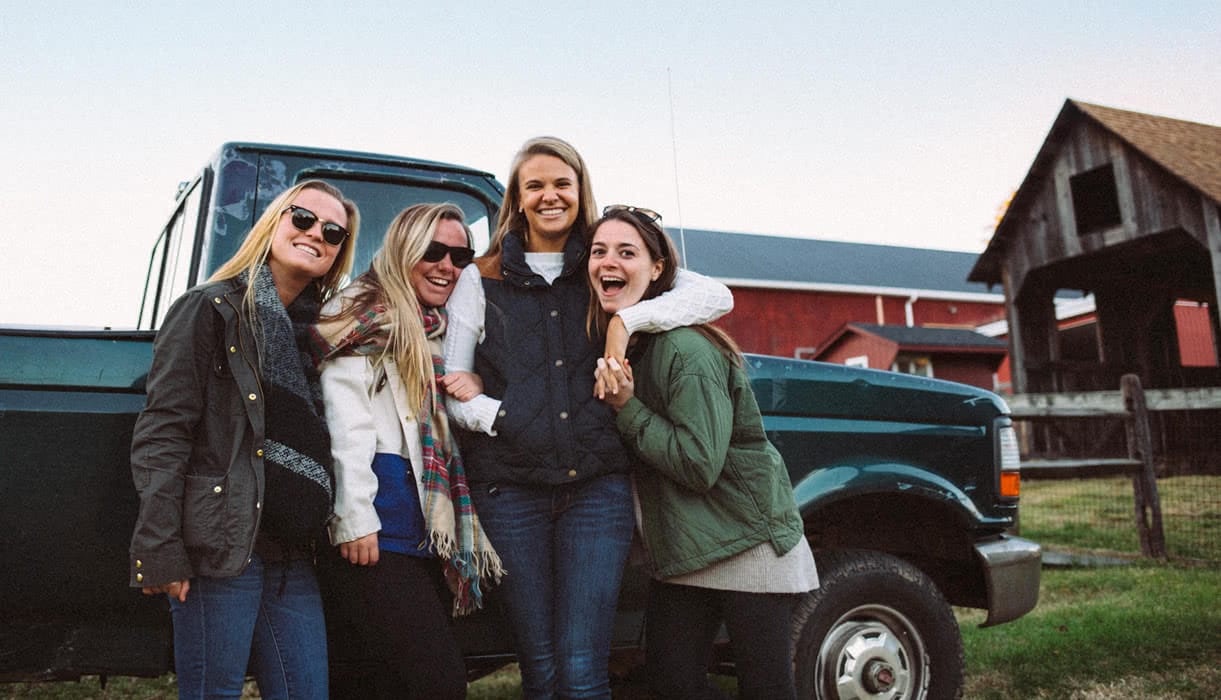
{"x":1122,"y":633}
{"x":1097,"y":514}
{"x":1130,"y":632}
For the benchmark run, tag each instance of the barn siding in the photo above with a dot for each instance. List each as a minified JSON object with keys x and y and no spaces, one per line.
{"x":778,"y":322}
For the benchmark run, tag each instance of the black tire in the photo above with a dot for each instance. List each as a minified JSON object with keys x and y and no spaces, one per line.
{"x":876,"y":627}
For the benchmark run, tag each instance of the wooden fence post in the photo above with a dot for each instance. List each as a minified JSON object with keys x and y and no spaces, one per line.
{"x":1147,"y":503}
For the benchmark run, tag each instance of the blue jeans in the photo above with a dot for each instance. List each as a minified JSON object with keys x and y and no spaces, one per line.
{"x":268,"y":617}
{"x":563,"y":548}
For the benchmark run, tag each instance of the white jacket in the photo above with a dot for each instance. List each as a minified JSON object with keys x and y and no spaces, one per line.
{"x":363,"y":423}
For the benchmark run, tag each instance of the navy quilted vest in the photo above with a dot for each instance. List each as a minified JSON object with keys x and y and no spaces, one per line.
{"x":537,"y":359}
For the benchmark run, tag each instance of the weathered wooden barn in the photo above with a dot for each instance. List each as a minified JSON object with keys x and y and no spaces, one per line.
{"x":793,"y":296}
{"x":1123,"y":205}
{"x":1127,"y":207}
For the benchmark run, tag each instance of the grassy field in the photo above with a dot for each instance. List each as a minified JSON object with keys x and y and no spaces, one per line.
{"x":1145,"y":631}
{"x":1121,"y":633}
{"x":1097,"y":514}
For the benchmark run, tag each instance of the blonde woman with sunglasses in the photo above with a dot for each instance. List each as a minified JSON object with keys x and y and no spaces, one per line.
{"x":548,"y":473}
{"x":410,"y":550}
{"x":232,"y":459}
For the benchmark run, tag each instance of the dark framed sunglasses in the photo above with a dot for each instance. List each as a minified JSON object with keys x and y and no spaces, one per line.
{"x":639,"y":211}
{"x":304,"y":220}
{"x":459,"y":255}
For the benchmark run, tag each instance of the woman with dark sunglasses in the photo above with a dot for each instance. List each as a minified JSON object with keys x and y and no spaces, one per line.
{"x":548,"y":472}
{"x":232,"y":459}
{"x":403,"y":521}
{"x":717,"y":517}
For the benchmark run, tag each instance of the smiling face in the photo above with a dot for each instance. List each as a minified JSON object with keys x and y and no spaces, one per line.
{"x":550,"y":200}
{"x":434,"y":281}
{"x":620,"y":267}
{"x":299,"y":257}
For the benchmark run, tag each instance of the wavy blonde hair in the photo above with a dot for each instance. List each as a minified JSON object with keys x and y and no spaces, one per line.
{"x":511,"y":219}
{"x":256,"y":248}
{"x":388,"y":282}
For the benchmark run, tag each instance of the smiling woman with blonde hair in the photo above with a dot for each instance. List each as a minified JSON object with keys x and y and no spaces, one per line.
{"x":232,"y":459}
{"x":408,"y":539}
{"x":548,"y":473}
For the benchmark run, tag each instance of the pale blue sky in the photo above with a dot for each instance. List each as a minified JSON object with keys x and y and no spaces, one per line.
{"x":871,"y":122}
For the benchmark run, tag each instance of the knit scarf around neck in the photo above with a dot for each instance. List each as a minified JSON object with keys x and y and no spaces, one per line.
{"x":299,"y":492}
{"x":453,"y":527}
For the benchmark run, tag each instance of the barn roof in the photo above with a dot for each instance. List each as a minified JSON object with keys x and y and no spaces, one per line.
{"x":1188,"y":150}
{"x":804,"y":263}
{"x":923,"y":336}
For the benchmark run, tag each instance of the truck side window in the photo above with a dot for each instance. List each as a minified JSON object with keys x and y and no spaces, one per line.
{"x":170,"y":268}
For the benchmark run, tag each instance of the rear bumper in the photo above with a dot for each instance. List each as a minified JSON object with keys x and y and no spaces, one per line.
{"x":1011,"y":568}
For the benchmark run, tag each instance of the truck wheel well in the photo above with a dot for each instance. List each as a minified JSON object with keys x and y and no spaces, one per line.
{"x":932,"y":536}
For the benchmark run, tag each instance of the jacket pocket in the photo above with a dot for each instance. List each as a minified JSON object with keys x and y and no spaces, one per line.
{"x":203,"y":506}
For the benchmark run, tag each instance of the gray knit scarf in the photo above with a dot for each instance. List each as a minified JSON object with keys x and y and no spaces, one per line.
{"x":299,"y":493}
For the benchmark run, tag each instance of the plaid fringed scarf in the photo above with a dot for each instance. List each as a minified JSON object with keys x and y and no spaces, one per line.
{"x":453,"y":526}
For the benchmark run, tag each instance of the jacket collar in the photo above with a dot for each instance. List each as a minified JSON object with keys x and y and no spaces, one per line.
{"x":515,"y":269}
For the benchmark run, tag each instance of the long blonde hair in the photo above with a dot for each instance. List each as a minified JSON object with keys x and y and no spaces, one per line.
{"x":256,"y":248}
{"x":388,"y":282}
{"x":512,"y":219}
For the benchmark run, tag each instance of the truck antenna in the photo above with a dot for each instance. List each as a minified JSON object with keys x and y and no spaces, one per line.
{"x":682,"y":238}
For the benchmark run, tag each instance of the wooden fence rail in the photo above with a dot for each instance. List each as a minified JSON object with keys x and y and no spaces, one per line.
{"x":1133,"y":405}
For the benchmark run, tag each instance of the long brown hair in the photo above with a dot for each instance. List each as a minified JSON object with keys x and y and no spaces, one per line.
{"x":511,"y":217}
{"x":659,"y":246}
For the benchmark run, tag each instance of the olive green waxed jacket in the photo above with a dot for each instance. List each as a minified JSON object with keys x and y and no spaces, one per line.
{"x":710,"y":484}
{"x":196,"y":454}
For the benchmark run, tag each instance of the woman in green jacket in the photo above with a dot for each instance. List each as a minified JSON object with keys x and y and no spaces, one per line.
{"x":715,"y":506}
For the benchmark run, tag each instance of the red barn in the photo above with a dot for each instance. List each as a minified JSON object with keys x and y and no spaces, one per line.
{"x":795,"y":296}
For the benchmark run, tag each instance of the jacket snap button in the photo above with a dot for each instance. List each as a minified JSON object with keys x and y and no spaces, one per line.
{"x":502,"y":413}
{"x":139,"y":578}
{"x":572,"y":472}
{"x":252,"y":397}
{"x":258,"y":453}
{"x":139,"y":563}
{"x":559,"y":363}
{"x":217,"y":489}
{"x":554,"y":313}
{"x":563,"y":415}
{"x":232,"y":348}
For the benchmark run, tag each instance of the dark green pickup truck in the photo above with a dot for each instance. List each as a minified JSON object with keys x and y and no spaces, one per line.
{"x":899,"y":478}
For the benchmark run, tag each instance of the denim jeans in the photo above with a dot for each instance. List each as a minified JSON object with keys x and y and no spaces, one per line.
{"x":563,"y":548}
{"x":268,"y":617}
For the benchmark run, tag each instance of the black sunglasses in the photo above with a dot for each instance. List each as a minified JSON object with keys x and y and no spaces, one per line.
{"x":304,"y":220}
{"x":639,"y":211}
{"x":460,"y":256}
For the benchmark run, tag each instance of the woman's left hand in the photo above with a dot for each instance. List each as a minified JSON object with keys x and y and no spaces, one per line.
{"x":613,"y":382}
{"x":463,"y":386}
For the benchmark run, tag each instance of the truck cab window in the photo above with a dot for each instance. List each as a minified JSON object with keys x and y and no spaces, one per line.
{"x":380,"y":201}
{"x":170,"y":267}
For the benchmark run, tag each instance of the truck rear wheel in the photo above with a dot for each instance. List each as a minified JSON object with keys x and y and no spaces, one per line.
{"x":877,"y":627}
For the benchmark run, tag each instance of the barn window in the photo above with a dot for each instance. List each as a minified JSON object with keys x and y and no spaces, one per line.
{"x":1095,"y":199}
{"x":919,"y":365}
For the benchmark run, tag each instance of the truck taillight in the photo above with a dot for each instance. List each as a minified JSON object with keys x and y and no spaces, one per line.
{"x":1011,"y":463}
